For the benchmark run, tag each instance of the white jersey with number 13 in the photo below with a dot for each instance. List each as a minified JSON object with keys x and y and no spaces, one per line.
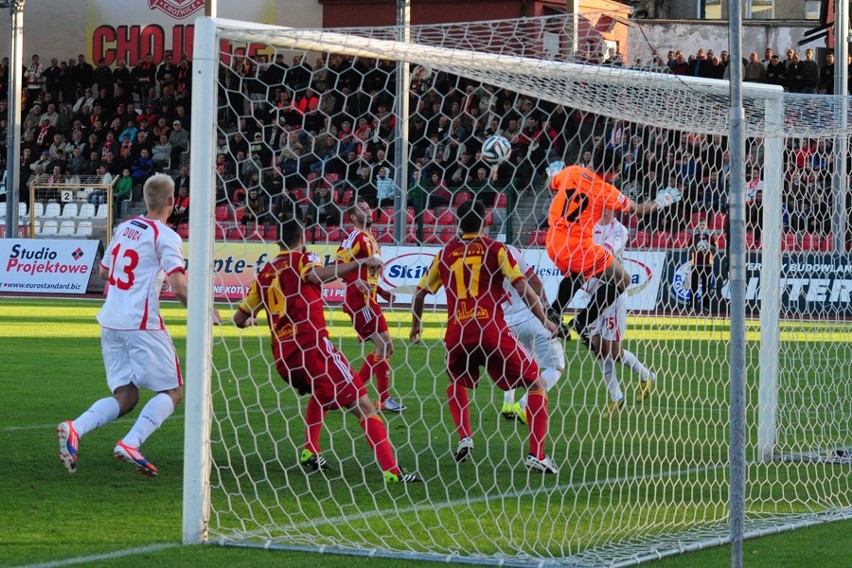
{"x":139,"y":257}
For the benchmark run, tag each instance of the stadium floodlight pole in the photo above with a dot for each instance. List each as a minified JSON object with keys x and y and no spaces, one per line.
{"x":199,"y":328}
{"x":737,"y":251}
{"x":403,"y":22}
{"x":13,"y":132}
{"x":841,"y":142}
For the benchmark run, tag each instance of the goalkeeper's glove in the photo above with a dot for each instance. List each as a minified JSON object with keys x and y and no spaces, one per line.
{"x":668,"y":196}
{"x":553,"y":169}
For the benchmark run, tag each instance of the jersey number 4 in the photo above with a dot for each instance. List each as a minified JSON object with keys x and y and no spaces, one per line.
{"x":575,"y":203}
{"x":129,"y":259}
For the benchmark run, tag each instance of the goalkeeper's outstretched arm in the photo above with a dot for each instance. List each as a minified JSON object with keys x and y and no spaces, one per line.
{"x":665,"y":198}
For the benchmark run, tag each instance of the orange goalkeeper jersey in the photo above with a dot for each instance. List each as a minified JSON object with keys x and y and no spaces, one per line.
{"x":581,"y":197}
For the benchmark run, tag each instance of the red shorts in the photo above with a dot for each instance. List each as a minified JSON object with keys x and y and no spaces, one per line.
{"x":367,"y":318}
{"x":323,"y":371}
{"x":507,"y":360}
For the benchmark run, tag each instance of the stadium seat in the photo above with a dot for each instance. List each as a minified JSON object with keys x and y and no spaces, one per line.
{"x":51,"y":211}
{"x":386,"y":235}
{"x":429,"y":235}
{"x":682,"y":240}
{"x":695,"y":218}
{"x":460,"y":197}
{"x":221,"y":232}
{"x":447,"y":234}
{"x":661,"y":240}
{"x":87,"y":211}
{"x":255,"y":233}
{"x":717,"y":222}
{"x":22,"y":210}
{"x":236,"y":233}
{"x":331,"y":179}
{"x":827,"y":243}
{"x":69,"y":211}
{"x":67,"y":229}
{"x":632,"y":221}
{"x":49,"y":229}
{"x":223,"y":213}
{"x":537,"y":238}
{"x":429,"y":217}
{"x":272,"y":232}
{"x":641,"y":239}
{"x":447,"y":217}
{"x":345,"y":197}
{"x":84,"y":229}
{"x":411,"y":237}
{"x":102,"y":211}
{"x":751,"y":241}
{"x":385,"y":216}
{"x":183,"y":230}
{"x":410,"y":215}
{"x":790,"y":241}
{"x":502,"y":201}
{"x":39,"y":209}
{"x":489,"y":218}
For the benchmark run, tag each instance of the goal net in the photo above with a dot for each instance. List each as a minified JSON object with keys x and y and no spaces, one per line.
{"x":301,"y":122}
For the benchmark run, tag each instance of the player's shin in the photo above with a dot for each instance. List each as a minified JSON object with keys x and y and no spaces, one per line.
{"x":550,"y":376}
{"x":630,"y":361}
{"x":314,"y":419}
{"x":568,"y":286}
{"x":152,"y":416}
{"x":381,"y":369}
{"x":538,"y":419}
{"x":377,"y":438}
{"x":101,"y":412}
{"x":459,"y":404}
{"x":610,"y":377}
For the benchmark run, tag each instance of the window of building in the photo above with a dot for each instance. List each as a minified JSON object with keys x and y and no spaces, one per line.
{"x":712,"y":9}
{"x":762,"y":9}
{"x":812,"y":9}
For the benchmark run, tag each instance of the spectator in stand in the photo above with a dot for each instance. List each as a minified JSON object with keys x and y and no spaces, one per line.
{"x":180,"y":212}
{"x":85,"y":74}
{"x":810,"y":72}
{"x":482,"y":188}
{"x":179,"y":139}
{"x":754,"y":215}
{"x":776,"y":72}
{"x":385,"y":188}
{"x":103,"y":78}
{"x":142,"y":168}
{"x":162,"y":154}
{"x":438,"y":194}
{"x":167,"y":71}
{"x":33,"y":77}
{"x":754,"y":70}
{"x":121,"y":191}
{"x":826,"y":76}
{"x":182,"y":179}
{"x":257,"y":209}
{"x":322,"y":208}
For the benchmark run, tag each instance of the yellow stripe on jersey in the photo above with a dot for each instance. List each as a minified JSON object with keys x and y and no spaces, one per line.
{"x":252,"y":303}
{"x":308,"y":262}
{"x":509,"y":269}
{"x":432,"y":279}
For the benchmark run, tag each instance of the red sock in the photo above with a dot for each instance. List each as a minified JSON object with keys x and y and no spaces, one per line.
{"x":377,"y":437}
{"x":381,"y":370}
{"x":314,"y":418}
{"x":366,"y":370}
{"x":537,"y":418}
{"x":459,"y":409}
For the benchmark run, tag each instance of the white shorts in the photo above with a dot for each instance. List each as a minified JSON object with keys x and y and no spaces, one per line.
{"x":146,"y":358}
{"x":612,"y":323}
{"x":548,"y":353}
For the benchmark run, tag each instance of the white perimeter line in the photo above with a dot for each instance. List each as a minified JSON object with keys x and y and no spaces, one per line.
{"x":502,"y":496}
{"x":105,"y":556}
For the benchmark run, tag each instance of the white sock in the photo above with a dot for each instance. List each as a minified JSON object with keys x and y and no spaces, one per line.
{"x":101,"y":412}
{"x":610,"y":377}
{"x":630,"y":361}
{"x":550,"y":377}
{"x":509,"y":397}
{"x":152,"y":416}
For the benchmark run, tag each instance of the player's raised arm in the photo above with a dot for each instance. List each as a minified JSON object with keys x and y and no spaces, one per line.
{"x":334,"y":271}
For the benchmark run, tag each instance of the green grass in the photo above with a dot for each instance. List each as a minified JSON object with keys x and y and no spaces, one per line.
{"x":657,"y":468}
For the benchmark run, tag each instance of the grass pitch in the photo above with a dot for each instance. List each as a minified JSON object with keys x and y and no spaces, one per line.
{"x":617,"y":475}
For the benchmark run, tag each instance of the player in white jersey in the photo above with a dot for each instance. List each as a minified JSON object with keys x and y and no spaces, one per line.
{"x":137,"y":349}
{"x":607,"y":333}
{"x":548,"y":352}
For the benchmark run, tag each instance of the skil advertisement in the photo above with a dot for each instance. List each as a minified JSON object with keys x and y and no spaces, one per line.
{"x":46,"y":266}
{"x":811,"y":283}
{"x":235,"y":264}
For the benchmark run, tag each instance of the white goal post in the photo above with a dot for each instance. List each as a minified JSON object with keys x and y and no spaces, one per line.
{"x":646,"y":486}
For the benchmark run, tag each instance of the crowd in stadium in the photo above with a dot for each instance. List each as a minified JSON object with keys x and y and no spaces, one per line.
{"x":306,"y":137}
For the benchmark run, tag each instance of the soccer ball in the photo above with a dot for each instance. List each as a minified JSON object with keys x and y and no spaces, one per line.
{"x":496,"y":150}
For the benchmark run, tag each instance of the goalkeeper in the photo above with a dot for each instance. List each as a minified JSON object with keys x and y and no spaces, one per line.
{"x":581,"y":195}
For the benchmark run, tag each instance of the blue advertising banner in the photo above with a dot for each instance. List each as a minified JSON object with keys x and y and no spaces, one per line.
{"x":815,"y":284}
